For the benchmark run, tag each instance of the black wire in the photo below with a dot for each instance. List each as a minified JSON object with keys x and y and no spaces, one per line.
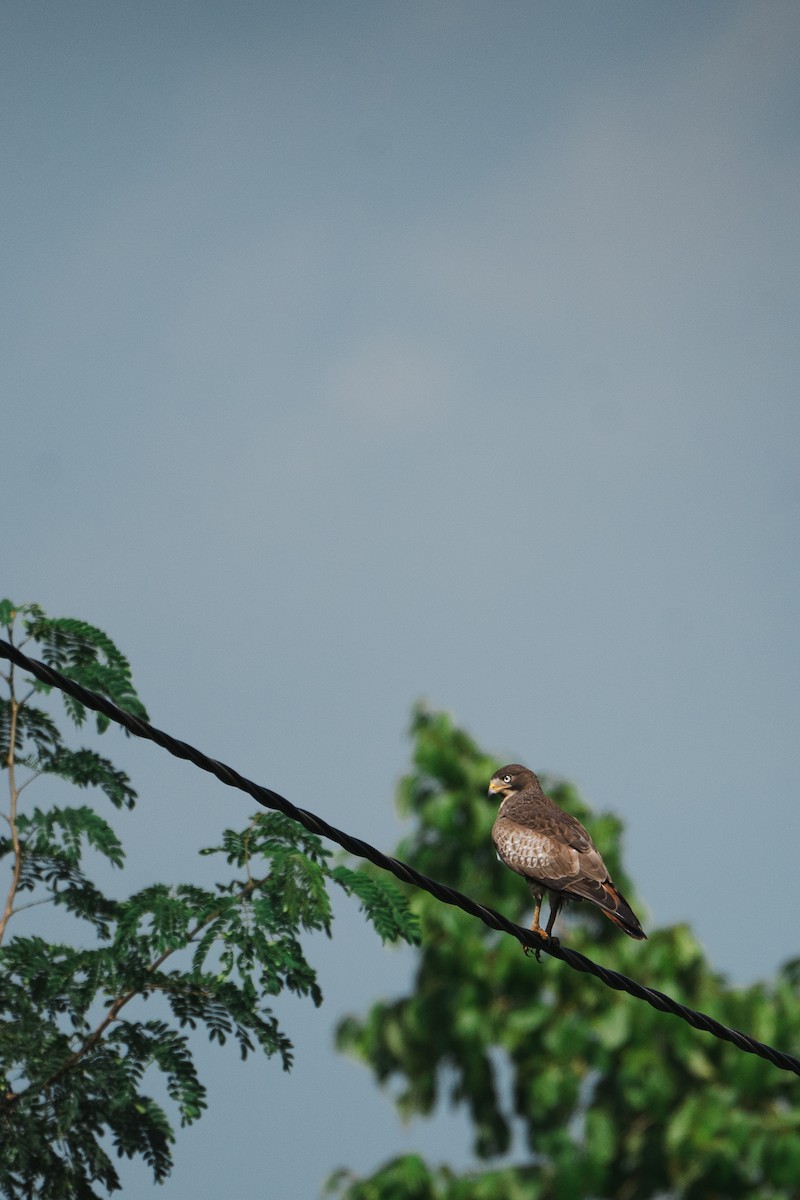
{"x":495,"y":920}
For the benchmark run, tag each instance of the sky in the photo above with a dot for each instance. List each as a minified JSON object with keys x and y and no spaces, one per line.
{"x":359,"y":353}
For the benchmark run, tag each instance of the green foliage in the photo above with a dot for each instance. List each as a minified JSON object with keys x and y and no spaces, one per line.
{"x":86,"y":655}
{"x":76,"y":1049}
{"x":89,"y":657}
{"x":384,"y":904}
{"x":609,"y":1097}
{"x":410,"y":1178}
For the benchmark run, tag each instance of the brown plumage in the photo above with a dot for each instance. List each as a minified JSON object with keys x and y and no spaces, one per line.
{"x":552,"y":851}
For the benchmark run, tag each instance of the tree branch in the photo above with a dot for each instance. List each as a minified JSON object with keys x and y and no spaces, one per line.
{"x":10,"y":1099}
{"x":11,"y":816}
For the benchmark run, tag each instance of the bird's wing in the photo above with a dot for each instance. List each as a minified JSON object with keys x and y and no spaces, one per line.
{"x":538,"y":813}
{"x":565,"y":829}
{"x":547,"y":854}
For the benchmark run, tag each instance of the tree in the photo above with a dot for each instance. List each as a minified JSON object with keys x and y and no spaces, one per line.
{"x":75,"y":1045}
{"x":614,"y":1099}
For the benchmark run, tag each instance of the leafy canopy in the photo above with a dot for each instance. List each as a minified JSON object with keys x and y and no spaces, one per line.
{"x":586,"y":1092}
{"x":76,"y":1048}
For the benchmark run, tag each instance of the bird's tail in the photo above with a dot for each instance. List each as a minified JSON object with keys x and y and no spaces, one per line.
{"x":613,"y":905}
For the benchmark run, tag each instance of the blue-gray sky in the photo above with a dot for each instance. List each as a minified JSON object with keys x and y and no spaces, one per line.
{"x":356,"y":353}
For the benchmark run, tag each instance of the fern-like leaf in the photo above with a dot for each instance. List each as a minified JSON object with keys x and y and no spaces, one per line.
{"x":383,"y":904}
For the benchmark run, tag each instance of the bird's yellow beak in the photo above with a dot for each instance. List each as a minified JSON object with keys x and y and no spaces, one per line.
{"x":495,"y":786}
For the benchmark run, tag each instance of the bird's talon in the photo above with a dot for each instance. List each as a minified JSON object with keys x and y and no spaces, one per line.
{"x":537,"y":950}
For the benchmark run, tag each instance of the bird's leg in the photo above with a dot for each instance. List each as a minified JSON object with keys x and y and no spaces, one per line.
{"x":555,"y":908}
{"x":536,"y":928}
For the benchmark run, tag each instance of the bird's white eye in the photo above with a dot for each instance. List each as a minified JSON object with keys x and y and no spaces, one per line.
{"x":506,"y":779}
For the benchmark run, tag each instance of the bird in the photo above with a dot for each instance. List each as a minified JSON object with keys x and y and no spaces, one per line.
{"x":553,"y":853}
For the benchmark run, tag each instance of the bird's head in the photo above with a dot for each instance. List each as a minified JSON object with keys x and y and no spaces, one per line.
{"x":511,"y":779}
